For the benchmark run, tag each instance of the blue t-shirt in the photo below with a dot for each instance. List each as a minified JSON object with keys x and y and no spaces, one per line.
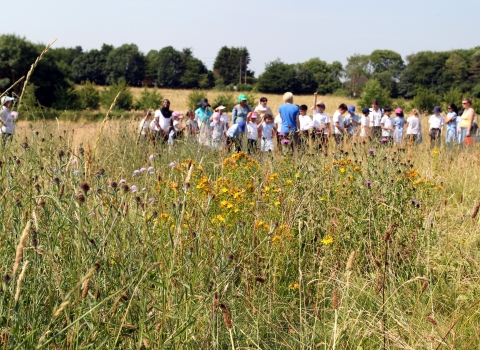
{"x":398,"y":123}
{"x":355,"y":119}
{"x":453,"y":124}
{"x":203,"y":114}
{"x":289,"y":114}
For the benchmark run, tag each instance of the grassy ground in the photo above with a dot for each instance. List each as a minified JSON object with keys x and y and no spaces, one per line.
{"x":348,"y":249}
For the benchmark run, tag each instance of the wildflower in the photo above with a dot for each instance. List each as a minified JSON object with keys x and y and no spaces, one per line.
{"x":294,"y":286}
{"x":289,"y":182}
{"x":133,"y":188}
{"x":277,"y":203}
{"x":144,"y":189}
{"x":285,"y":141}
{"x":135,"y":172}
{"x":383,"y":140}
{"x":75,"y":172}
{"x":371,"y":151}
{"x":342,"y":170}
{"x":172,"y":164}
{"x":327,"y":240}
{"x":113,"y":185}
{"x":164,"y":215}
{"x":85,"y":187}
{"x":151,"y":200}
{"x":141,"y":170}
{"x":276,"y":239}
{"x":297,"y":175}
{"x":151,"y":156}
{"x":368,"y":183}
{"x":281,"y":134}
{"x":122,"y":181}
{"x":150,"y":168}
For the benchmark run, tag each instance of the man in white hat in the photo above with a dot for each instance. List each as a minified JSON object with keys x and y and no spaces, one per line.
{"x":7,"y":118}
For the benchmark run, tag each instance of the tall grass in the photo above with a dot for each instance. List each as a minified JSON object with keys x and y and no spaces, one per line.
{"x":347,"y":249}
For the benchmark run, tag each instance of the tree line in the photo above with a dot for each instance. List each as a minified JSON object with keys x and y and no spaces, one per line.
{"x":426,"y":74}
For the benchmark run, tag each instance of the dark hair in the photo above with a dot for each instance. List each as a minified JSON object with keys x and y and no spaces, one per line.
{"x":268,"y":115}
{"x":303,"y":108}
{"x":215,"y":106}
{"x":263,"y":99}
{"x":453,"y":107}
{"x":375,"y":102}
{"x":387,"y":109}
{"x":147,"y":113}
{"x":189,"y":113}
{"x":343,"y":106}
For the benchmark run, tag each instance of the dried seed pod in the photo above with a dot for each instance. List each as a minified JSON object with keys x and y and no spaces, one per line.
{"x":350,"y":261}
{"x":259,"y":279}
{"x":86,"y":287}
{"x":424,"y":287}
{"x":226,"y":316}
{"x":431,"y":320}
{"x":335,"y":299}
{"x":475,"y":211}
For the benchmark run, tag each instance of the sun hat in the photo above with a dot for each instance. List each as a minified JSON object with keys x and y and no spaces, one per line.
{"x":221,"y":107}
{"x":241,"y":98}
{"x":437,"y":109}
{"x":177,"y":115}
{"x":241,"y":126}
{"x":351,"y":109}
{"x":6,"y":99}
{"x":321,"y":104}
{"x":203,"y":103}
{"x":398,"y":111}
{"x":366,"y":110}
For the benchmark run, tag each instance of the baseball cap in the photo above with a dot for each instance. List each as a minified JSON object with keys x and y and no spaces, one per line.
{"x":253,"y":115}
{"x":398,"y":111}
{"x":351,"y":109}
{"x":321,"y":104}
{"x":241,"y":126}
{"x":437,"y":109}
{"x":242,"y":97}
{"x":177,"y":114}
{"x":366,"y":110}
{"x":6,"y":99}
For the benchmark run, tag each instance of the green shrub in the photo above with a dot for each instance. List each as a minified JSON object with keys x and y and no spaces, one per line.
{"x":244,"y":87}
{"x":373,"y":90}
{"x":476,"y":105}
{"x":251,"y":99}
{"x":476,"y":91}
{"x":341,"y":93}
{"x":401,"y":103}
{"x":226,"y":99}
{"x":425,"y":100}
{"x":124,"y":101}
{"x":89,"y":96}
{"x":65,"y":98}
{"x":149,"y":100}
{"x":194,"y":97}
{"x":453,"y":96}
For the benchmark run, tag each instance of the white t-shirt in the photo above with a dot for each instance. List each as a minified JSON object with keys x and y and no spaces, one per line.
{"x":278,"y":121}
{"x":217,"y":130}
{"x":364,"y":122}
{"x":337,"y":118}
{"x":436,"y":122}
{"x":267,"y":130}
{"x":224,"y":121}
{"x":144,"y":125}
{"x":176,"y":123}
{"x":413,"y":125}
{"x":306,"y":122}
{"x":375,"y":117}
{"x":320,"y":120}
{"x":252,"y":132}
{"x":8,"y":121}
{"x":387,"y":123}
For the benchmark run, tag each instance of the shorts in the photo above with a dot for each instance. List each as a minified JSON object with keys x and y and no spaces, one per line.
{"x":266,"y":145}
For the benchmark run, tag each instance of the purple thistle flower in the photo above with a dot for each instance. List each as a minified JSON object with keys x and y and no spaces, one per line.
{"x":318,"y":133}
{"x":384,"y":140}
{"x":371,"y":151}
{"x":172,"y":164}
{"x":133,"y":188}
{"x":142,"y":170}
{"x":75,"y":172}
{"x":150,"y":168}
{"x":281,"y":134}
{"x":368,"y":183}
{"x":151,"y":156}
{"x":122,"y":181}
{"x":151,"y":199}
{"x":285,"y":141}
{"x":135,"y":172}
{"x":151,"y":172}
{"x":144,"y":189}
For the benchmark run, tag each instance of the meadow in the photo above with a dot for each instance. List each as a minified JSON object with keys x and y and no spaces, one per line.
{"x":107,"y":243}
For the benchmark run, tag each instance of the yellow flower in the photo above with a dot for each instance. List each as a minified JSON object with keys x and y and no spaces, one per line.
{"x":294,"y":286}
{"x":224,"y":190}
{"x":267,"y":188}
{"x":297,"y":175}
{"x":276,"y":239}
{"x":252,"y":203}
{"x":327,"y":240}
{"x":357,"y":168}
{"x":223,"y":203}
{"x":322,"y":199}
{"x":289,"y":182}
{"x":164,"y":215}
{"x":229,"y":206}
{"x":412,"y":174}
{"x":342,"y":170}
{"x":273,"y":176}
{"x":277,"y":203}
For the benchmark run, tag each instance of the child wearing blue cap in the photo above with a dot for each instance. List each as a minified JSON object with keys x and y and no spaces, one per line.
{"x":234,"y":136}
{"x":351,"y":122}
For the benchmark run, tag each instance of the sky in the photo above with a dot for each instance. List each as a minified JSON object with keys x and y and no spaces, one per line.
{"x":293,"y":31}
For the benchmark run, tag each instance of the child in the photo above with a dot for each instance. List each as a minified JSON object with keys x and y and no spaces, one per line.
{"x":266,"y":130}
{"x":436,"y":123}
{"x":252,"y":132}
{"x":234,"y":135}
{"x":144,"y":127}
{"x":398,"y":125}
{"x":216,"y":130}
{"x":451,"y":120}
{"x":321,"y":121}
{"x":413,"y":127}
{"x":223,"y":119}
{"x":351,"y":122}
{"x":278,"y":125}
{"x":339,"y":129}
{"x":191,"y":124}
{"x":177,"y":129}
{"x":386,"y":124}
{"x":365,"y":123}
{"x":306,"y":123}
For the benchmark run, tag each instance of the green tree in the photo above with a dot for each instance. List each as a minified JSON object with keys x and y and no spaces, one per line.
{"x":277,"y":78}
{"x":149,"y":99}
{"x":231,"y":65}
{"x":327,"y":76}
{"x":126,"y":62}
{"x":88,"y":96}
{"x":194,"y":70}
{"x":425,"y":100}
{"x":91,"y":66}
{"x":170,"y":67}
{"x":373,"y":90}
{"x":357,"y":69}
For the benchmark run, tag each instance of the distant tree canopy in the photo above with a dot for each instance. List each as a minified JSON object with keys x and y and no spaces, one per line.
{"x":423,"y":77}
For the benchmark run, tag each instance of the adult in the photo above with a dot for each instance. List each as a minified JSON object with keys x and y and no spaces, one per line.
{"x":466,"y":122}
{"x":241,"y":110}
{"x":262,"y":108}
{"x":451,"y":120}
{"x":290,"y":118}
{"x":376,"y":114}
{"x":203,"y":114}
{"x":163,"y":121}
{"x":7,"y":118}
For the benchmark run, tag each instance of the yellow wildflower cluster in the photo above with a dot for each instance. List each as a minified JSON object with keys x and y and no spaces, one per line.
{"x":294,"y":286}
{"x":219,"y":219}
{"x":420,"y":181}
{"x":232,"y":161}
{"x":173,"y":185}
{"x":343,"y":162}
{"x":284,"y":230}
{"x":260,"y":224}
{"x":412,"y":174}
{"x":327,"y":240}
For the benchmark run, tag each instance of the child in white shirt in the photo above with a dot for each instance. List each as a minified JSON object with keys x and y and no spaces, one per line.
{"x":177,"y":130}
{"x":321,"y":122}
{"x":365,"y":123}
{"x":266,"y":130}
{"x":252,"y":132}
{"x":216,"y":130}
{"x":386,"y":124}
{"x":306,"y":124}
{"x":436,"y":124}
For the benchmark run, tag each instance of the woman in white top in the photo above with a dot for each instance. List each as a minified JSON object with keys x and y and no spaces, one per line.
{"x":7,"y":118}
{"x":262,"y":108}
{"x":414,"y":128}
